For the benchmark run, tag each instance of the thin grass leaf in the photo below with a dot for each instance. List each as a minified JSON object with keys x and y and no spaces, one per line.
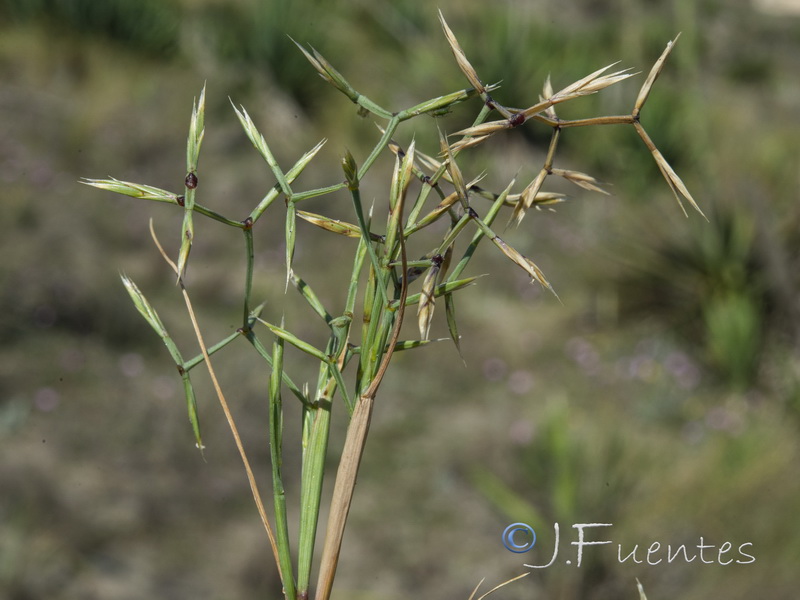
{"x":291,"y":175}
{"x":276,"y":463}
{"x":261,"y":145}
{"x":379,"y":273}
{"x":191,"y":407}
{"x":199,"y":359}
{"x":441,"y":289}
{"x":452,"y":324}
{"x":316,"y":427}
{"x":300,"y":394}
{"x":644,"y":92}
{"x":355,"y":275}
{"x":295,"y":341}
{"x":411,"y":344}
{"x":368,"y":327}
{"x":290,"y":231}
{"x":382,"y":144}
{"x":454,"y":231}
{"x":336,"y":226}
{"x":402,"y":345}
{"x":151,"y":316}
{"x":196,"y":134}
{"x":303,"y":161}
{"x":439,"y":104}
{"x":135,"y":190}
{"x":310,"y":297}
{"x":340,"y":332}
{"x":143,"y":306}
{"x":187,"y":237}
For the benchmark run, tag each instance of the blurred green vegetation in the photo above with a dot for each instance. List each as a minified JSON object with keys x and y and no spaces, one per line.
{"x":662,"y":396}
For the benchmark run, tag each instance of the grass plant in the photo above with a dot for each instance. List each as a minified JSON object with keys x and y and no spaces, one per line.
{"x":409,"y":250}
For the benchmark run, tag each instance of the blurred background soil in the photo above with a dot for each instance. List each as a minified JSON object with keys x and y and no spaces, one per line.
{"x":662,"y":396}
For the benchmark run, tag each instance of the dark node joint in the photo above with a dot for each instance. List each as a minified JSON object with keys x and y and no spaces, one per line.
{"x":490,"y":102}
{"x":437,"y":260}
{"x":181,"y":370}
{"x":401,"y":154}
{"x":248,"y":223}
{"x":516,"y":119}
{"x":191,"y":181}
{"x":181,"y":200}
{"x":472,"y":214}
{"x":426,"y":179}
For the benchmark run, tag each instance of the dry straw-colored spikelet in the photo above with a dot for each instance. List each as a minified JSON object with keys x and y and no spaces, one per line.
{"x":675,"y":183}
{"x":583,"y":180}
{"x":427,"y":299}
{"x":461,"y":58}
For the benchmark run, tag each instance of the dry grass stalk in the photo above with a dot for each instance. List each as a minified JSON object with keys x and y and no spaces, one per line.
{"x":495,"y":588}
{"x":223,"y":402}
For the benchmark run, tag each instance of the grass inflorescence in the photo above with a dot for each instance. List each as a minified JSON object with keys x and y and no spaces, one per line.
{"x":388,"y":256}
